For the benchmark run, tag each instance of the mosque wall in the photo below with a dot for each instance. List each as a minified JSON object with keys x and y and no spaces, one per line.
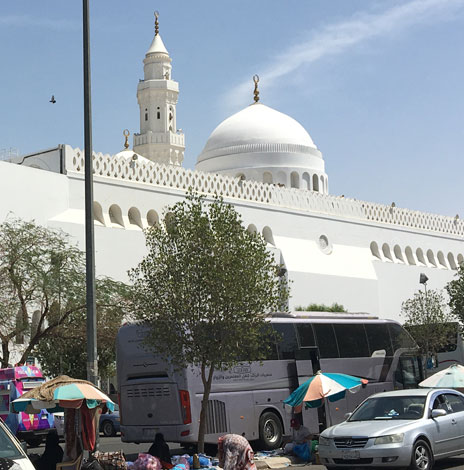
{"x":364,"y":264}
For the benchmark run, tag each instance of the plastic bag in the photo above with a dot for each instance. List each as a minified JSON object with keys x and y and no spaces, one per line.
{"x":146,"y":462}
{"x":302,"y":451}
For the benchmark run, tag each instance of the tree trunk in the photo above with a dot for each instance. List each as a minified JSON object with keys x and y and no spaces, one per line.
{"x":5,"y":354}
{"x":204,"y":405}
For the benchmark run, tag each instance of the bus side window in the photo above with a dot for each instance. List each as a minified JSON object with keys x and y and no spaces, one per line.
{"x":352,"y":340}
{"x":378,"y":338}
{"x":305,"y":335}
{"x":288,"y":345}
{"x":326,"y":340}
{"x":400,"y":338}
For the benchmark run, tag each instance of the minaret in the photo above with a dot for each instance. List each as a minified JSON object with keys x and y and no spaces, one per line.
{"x":159,"y":139}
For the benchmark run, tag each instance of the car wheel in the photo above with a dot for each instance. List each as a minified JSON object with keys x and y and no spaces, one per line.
{"x":108,"y":429}
{"x":270,"y":431}
{"x":421,"y":458}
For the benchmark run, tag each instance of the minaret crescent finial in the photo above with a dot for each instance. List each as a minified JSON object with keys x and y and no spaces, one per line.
{"x":156,"y":23}
{"x":256,"y":92}
{"x":126,"y":134}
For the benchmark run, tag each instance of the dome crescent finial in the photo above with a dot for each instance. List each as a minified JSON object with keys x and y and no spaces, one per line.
{"x":126,"y":134}
{"x":156,"y":23}
{"x":256,"y":92}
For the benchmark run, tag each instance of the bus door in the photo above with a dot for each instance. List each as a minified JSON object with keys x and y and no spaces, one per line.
{"x":307,"y":364}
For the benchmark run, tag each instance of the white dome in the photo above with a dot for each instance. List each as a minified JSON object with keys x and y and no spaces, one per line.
{"x":255,"y":125}
{"x":130,"y":155}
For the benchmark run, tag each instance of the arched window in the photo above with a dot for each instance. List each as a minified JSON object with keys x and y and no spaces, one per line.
{"x":375,"y":250}
{"x":169,"y":220}
{"x":134,"y":217}
{"x":420,"y":257}
{"x":410,"y":255}
{"x":441,"y":259}
{"x":146,"y":114}
{"x":452,"y":261}
{"x":387,"y":252}
{"x":252,"y":228}
{"x":172,"y":120}
{"x":460,"y":259}
{"x":322,"y":186}
{"x":268,"y":237}
{"x":116,"y":216}
{"x":431,"y":258}
{"x":315,"y":183}
{"x":294,"y":179}
{"x":398,"y":254}
{"x":152,"y":218}
{"x":267,"y":177}
{"x":306,"y":181}
{"x":158,"y":113}
{"x":35,"y":322}
{"x":98,"y":218}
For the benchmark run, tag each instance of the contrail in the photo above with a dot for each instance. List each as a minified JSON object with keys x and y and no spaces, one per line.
{"x":338,"y":38}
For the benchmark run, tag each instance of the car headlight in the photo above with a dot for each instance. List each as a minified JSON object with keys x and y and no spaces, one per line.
{"x":324,"y":441}
{"x":392,"y":439}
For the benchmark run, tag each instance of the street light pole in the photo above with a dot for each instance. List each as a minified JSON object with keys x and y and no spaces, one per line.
{"x":92,"y":365}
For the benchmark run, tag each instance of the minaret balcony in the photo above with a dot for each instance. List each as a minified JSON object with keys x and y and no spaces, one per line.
{"x":169,"y":138}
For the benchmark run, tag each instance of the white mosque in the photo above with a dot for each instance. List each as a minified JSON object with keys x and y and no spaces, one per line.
{"x":363,"y":255}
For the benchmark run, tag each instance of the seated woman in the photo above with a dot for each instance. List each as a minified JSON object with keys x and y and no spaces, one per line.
{"x":160,"y":449}
{"x":235,"y":453}
{"x":53,"y":453}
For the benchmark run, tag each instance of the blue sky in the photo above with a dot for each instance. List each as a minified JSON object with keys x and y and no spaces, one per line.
{"x":378,"y":84}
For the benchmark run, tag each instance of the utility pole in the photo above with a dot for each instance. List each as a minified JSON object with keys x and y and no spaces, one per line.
{"x":92,"y":364}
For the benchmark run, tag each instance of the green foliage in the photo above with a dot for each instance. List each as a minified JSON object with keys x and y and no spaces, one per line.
{"x":455,"y":290}
{"x":428,"y":320}
{"x":42,"y":288}
{"x":321,"y":308}
{"x":204,"y":288}
{"x":64,"y":353}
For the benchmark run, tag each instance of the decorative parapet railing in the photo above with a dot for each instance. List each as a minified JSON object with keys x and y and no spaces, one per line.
{"x":175,"y":177}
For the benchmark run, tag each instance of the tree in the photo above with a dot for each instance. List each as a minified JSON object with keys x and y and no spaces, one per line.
{"x":321,"y":308}
{"x":42,"y":286}
{"x":428,"y":320}
{"x":63,"y":353}
{"x":455,"y":289}
{"x":204,"y":289}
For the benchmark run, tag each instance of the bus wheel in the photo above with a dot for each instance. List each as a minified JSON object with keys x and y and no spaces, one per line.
{"x":270,"y":431}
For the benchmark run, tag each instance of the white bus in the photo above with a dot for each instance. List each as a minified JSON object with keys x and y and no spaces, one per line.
{"x":248,"y":399}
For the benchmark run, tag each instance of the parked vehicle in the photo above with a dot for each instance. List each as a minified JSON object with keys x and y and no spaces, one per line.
{"x":247,"y":399}
{"x":10,"y":448}
{"x":14,"y":381}
{"x":109,"y":422}
{"x":397,"y":429}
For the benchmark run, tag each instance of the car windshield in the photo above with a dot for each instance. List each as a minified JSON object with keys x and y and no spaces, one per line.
{"x":389,"y":408}
{"x":8,"y":448}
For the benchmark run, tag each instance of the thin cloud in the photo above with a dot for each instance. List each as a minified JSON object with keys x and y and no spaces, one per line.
{"x":60,"y":24}
{"x":340,"y":37}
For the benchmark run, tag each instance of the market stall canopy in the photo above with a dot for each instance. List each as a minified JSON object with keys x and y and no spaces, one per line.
{"x":452,"y":377}
{"x":60,"y":393}
{"x":330,"y":385}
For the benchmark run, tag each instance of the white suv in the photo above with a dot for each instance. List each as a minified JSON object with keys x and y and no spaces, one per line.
{"x":10,"y":449}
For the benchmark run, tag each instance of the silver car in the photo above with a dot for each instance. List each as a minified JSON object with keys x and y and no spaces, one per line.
{"x":412,"y":427}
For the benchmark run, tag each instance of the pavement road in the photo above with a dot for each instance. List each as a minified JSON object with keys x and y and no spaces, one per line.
{"x":109,"y":444}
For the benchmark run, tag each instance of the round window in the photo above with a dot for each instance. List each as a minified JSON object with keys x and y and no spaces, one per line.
{"x":325,"y":245}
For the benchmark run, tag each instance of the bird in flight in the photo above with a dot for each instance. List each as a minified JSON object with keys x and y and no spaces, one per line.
{"x":52,"y":100}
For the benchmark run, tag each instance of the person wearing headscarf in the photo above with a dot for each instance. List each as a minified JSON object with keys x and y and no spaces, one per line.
{"x":53,"y":453}
{"x":235,"y":453}
{"x":160,"y":449}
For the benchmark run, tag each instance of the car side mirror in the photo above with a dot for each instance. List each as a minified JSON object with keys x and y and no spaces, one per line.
{"x":348,"y":415}
{"x":437,"y":413}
